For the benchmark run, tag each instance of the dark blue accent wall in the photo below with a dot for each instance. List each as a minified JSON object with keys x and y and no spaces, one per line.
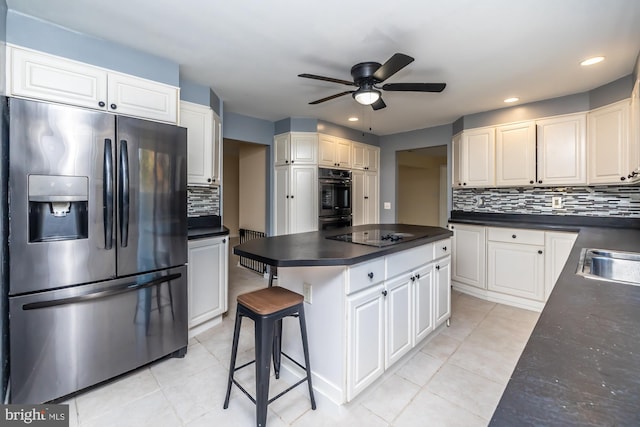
{"x":193,"y":92}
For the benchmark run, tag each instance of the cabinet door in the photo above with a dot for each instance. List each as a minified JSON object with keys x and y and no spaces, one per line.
{"x":516,"y":154}
{"x":516,"y":270}
{"x":634,"y":137}
{"x":327,"y":151}
{"x":423,"y":303}
{"x":304,"y":148}
{"x":358,"y":184}
{"x":138,"y":97}
{"x":282,"y":149}
{"x":609,"y":144}
{"x":456,"y":172}
{"x":359,"y":153}
{"x":281,"y":203}
{"x":51,"y":78}
{"x":442,"y":286}
{"x":561,"y":143}
{"x":207,"y":279}
{"x":303,"y":199}
{"x":365,"y":339}
{"x":216,"y":169}
{"x":343,"y":153}
{"x":399,"y":315}
{"x":371,"y":207}
{"x":199,"y":123}
{"x":478,"y":166}
{"x":557,"y":247}
{"x":372,"y":158}
{"x":469,"y":256}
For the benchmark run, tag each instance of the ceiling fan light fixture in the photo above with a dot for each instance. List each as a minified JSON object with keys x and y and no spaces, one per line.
{"x":366,"y":96}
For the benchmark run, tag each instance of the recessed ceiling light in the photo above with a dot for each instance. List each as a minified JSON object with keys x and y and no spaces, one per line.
{"x":592,"y":61}
{"x":510,"y":100}
{"x":353,"y":119}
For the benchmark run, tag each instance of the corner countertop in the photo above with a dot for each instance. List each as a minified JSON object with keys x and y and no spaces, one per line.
{"x":205,"y":232}
{"x":581,"y":365}
{"x":314,"y":249}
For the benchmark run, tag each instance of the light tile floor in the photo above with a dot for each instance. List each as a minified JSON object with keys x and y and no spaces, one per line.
{"x":456,"y":379}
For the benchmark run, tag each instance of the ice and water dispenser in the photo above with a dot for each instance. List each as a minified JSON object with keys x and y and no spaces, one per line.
{"x":58,"y":208}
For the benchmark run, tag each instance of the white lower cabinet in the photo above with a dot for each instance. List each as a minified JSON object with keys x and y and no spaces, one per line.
{"x":558,"y":246}
{"x":516,"y":269}
{"x":366,"y":331}
{"x":399,"y":318}
{"x":207,"y":280}
{"x":423,"y":296}
{"x":442,"y":288}
{"x":469,"y":255}
{"x":296,"y":199}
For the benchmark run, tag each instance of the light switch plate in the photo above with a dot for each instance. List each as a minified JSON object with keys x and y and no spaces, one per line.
{"x":387,"y":205}
{"x":556,"y":202}
{"x":307,"y":292}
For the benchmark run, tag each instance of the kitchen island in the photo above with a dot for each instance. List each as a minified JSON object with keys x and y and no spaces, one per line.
{"x":369,"y":304}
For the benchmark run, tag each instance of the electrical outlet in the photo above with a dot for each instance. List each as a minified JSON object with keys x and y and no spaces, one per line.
{"x":306,"y":292}
{"x":556,"y":202}
{"x":387,"y":205}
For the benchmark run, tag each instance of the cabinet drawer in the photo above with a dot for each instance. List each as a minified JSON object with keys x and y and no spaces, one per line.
{"x":365,"y":274}
{"x":516,"y":235}
{"x":410,"y":259}
{"x":441,"y":248}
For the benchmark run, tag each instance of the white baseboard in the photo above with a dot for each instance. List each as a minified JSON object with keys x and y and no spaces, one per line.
{"x":493,"y":296}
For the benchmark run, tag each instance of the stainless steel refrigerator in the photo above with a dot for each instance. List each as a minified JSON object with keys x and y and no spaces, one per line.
{"x":97,"y":247}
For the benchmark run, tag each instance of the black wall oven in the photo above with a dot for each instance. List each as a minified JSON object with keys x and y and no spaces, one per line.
{"x":334,"y":188}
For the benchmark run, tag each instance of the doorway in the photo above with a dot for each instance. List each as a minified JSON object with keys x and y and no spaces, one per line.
{"x":422,"y":186}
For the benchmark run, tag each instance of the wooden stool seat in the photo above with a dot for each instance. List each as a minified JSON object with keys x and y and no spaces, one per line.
{"x":269,"y":300}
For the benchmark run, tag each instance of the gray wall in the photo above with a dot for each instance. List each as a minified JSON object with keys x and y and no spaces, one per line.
{"x":296,"y":124}
{"x":612,"y":92}
{"x":347,"y":133}
{"x":27,"y":31}
{"x":193,"y":92}
{"x":389,"y":144}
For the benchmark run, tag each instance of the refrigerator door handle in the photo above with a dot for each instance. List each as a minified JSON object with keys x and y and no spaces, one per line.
{"x":107,"y":195}
{"x":124,"y":194}
{"x":129,"y":287}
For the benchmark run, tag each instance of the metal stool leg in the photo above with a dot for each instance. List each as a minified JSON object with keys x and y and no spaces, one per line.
{"x":305,"y":347}
{"x":264,"y":342}
{"x":277,"y":347}
{"x":234,"y":353}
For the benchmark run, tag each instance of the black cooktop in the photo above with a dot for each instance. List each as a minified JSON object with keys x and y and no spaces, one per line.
{"x":377,"y":237}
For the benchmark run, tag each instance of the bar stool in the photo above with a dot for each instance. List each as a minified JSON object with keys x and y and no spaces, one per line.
{"x":267,"y":307}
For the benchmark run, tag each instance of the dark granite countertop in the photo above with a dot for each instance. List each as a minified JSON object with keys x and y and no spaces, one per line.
{"x":203,"y":233}
{"x":314,"y":249}
{"x":581,"y":365}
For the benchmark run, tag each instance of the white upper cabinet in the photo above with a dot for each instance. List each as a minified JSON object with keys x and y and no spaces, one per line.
{"x":516,"y":154}
{"x":296,"y":148}
{"x":634,"y":137}
{"x":365,"y":197}
{"x":198,"y":120}
{"x":47,"y":77}
{"x":476,"y":164}
{"x":562,"y":150}
{"x":334,"y":152}
{"x":364,"y":156}
{"x":609,"y":160}
{"x":456,"y":150}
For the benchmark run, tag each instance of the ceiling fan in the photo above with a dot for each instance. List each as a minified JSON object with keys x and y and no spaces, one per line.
{"x":367,"y":76}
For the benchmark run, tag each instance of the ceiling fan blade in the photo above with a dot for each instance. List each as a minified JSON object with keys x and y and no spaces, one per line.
{"x":415,"y":87}
{"x":328,"y":98}
{"x":379,"y":104}
{"x":327,"y":79}
{"x":396,"y":63}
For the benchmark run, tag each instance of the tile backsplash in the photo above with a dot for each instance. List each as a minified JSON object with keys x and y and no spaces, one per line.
{"x":614,"y":201}
{"x":203,"y":201}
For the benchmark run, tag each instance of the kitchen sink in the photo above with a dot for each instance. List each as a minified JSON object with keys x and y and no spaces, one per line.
{"x":613,"y":266}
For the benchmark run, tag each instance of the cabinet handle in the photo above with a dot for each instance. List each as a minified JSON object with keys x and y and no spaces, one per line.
{"x":540,"y":252}
{"x":622,"y":178}
{"x":208,"y":179}
{"x":418,"y":276}
{"x":459,"y":183}
{"x":292,"y":161}
{"x":101,"y":104}
{"x":287,"y":196}
{"x":286,"y":161}
{"x":437,"y":267}
{"x":540,"y":182}
{"x":384,"y":292}
{"x":452,"y":227}
{"x":413,"y":278}
{"x":114,"y":106}
{"x":370,"y":275}
{"x":366,"y":197}
{"x":444,"y":248}
{"x":513,"y":236}
{"x":464,"y":183}
{"x":292,"y":196}
{"x":224,"y":240}
{"x":531,"y":182}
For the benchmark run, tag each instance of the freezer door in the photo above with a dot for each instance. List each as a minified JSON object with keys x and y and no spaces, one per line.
{"x":152,"y":196}
{"x":61,"y":192}
{"x":63,"y":341}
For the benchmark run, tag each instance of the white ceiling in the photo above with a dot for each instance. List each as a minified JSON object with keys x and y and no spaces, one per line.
{"x":251,"y":51}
